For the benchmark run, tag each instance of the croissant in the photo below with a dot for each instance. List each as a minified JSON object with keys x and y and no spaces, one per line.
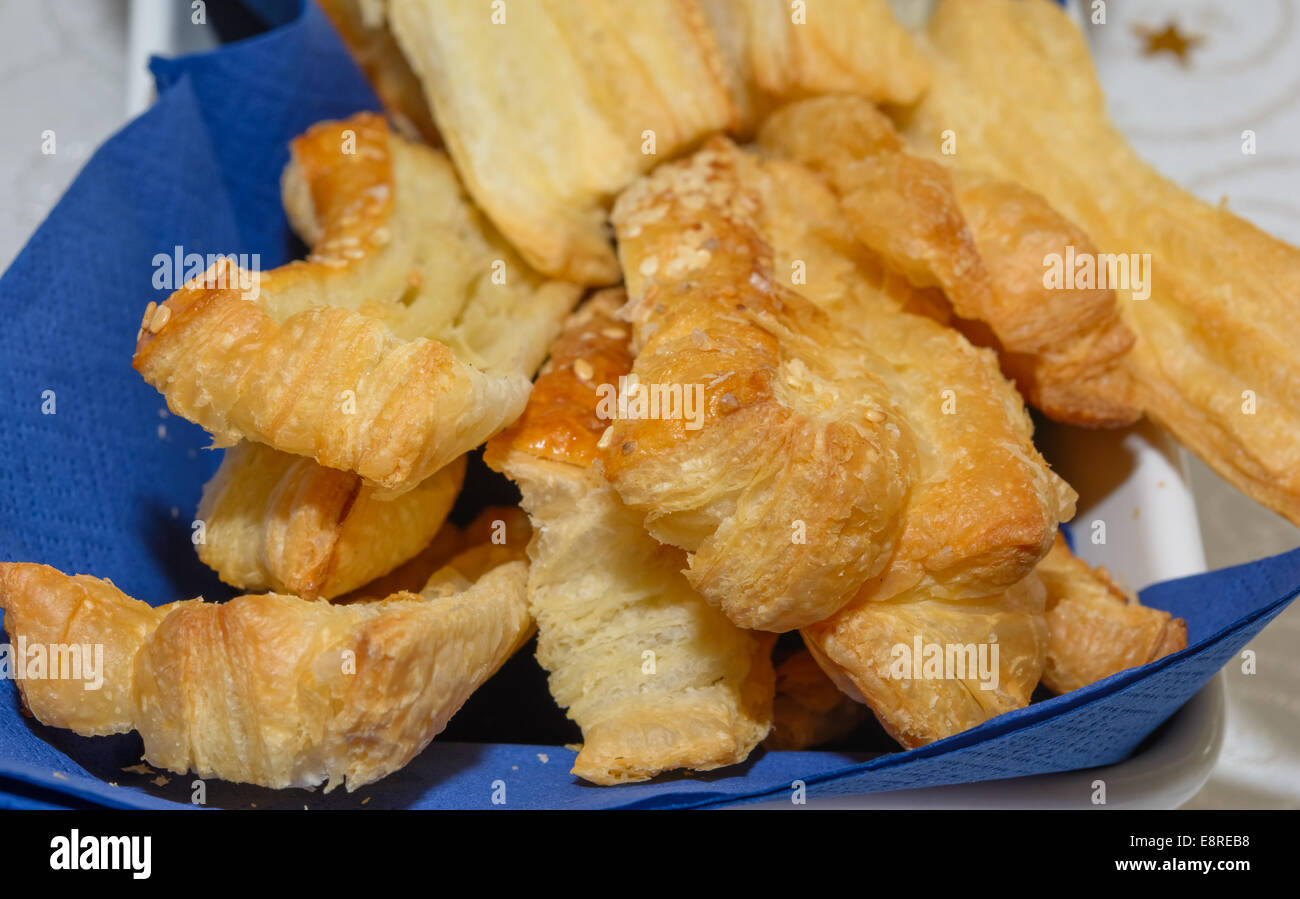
{"x":786,"y":488}
{"x":982,"y":508}
{"x":272,"y":690}
{"x":335,"y":357}
{"x":1216,"y":367}
{"x":1095,"y":629}
{"x":656,"y":677}
{"x":775,"y":50}
{"x":550,"y":107}
{"x":809,"y":709}
{"x":981,"y":241}
{"x":283,"y":523}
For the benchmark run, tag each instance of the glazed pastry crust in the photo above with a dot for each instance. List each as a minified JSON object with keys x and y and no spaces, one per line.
{"x":1096,"y":629}
{"x":604,"y":616}
{"x":787,"y":498}
{"x":547,"y":113}
{"x":332,"y":358}
{"x":1200,"y":346}
{"x":273,"y":690}
{"x":982,"y":241}
{"x":285,"y":524}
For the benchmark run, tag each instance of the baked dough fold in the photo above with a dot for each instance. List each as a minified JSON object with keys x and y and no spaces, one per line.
{"x":786,"y":491}
{"x":282,"y":523}
{"x":983,"y":242}
{"x":273,"y":690}
{"x":656,"y":678}
{"x":1095,"y":628}
{"x":386,"y":353}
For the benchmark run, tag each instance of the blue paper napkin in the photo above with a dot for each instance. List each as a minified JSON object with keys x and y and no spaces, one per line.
{"x":106,"y":483}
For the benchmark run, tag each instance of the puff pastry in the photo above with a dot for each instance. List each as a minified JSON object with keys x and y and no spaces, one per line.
{"x":283,"y":523}
{"x":787,"y":497}
{"x":983,"y":242}
{"x":273,"y":690}
{"x":362,"y":26}
{"x":1096,"y":629}
{"x":656,"y":678}
{"x":1214,"y":361}
{"x":776,"y":50}
{"x":982,"y":508}
{"x":386,"y":353}
{"x":550,"y":107}
{"x":809,"y":709}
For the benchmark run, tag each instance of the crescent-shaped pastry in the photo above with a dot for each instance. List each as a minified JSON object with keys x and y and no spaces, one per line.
{"x":786,"y":488}
{"x":981,"y":511}
{"x":983,"y":242}
{"x":408,"y":337}
{"x":1210,"y":298}
{"x":272,"y":690}
{"x":1095,"y":628}
{"x":776,"y":49}
{"x":282,"y":523}
{"x":656,"y":677}
{"x":809,"y":709}
{"x":550,"y":107}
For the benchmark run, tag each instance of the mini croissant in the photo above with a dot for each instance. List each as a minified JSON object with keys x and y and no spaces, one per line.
{"x":283,"y":523}
{"x":787,"y":493}
{"x":273,"y":690}
{"x":387,"y":353}
{"x":982,"y":506}
{"x":1094,"y":628}
{"x":656,"y":677}
{"x":983,"y":242}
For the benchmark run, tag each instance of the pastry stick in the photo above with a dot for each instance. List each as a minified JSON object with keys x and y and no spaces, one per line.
{"x":1095,"y":628}
{"x":1213,"y":308}
{"x":980,"y":240}
{"x":981,"y":511}
{"x":271,"y":690}
{"x":550,"y":107}
{"x":786,"y":488}
{"x":278,"y":522}
{"x":408,"y":337}
{"x":656,"y":678}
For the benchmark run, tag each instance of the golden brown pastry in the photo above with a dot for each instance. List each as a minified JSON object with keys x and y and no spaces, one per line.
{"x":407,"y":338}
{"x":774,"y":50}
{"x":656,"y":678}
{"x":981,"y":241}
{"x":361,"y":25}
{"x":283,"y":523}
{"x":272,"y":690}
{"x":1095,"y":628}
{"x":1214,"y":360}
{"x":809,"y":709}
{"x":786,"y":490}
{"x":550,"y":107}
{"x":982,"y":508}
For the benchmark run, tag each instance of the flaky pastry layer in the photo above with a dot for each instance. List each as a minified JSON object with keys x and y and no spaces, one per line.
{"x":656,"y":678}
{"x":271,"y":690}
